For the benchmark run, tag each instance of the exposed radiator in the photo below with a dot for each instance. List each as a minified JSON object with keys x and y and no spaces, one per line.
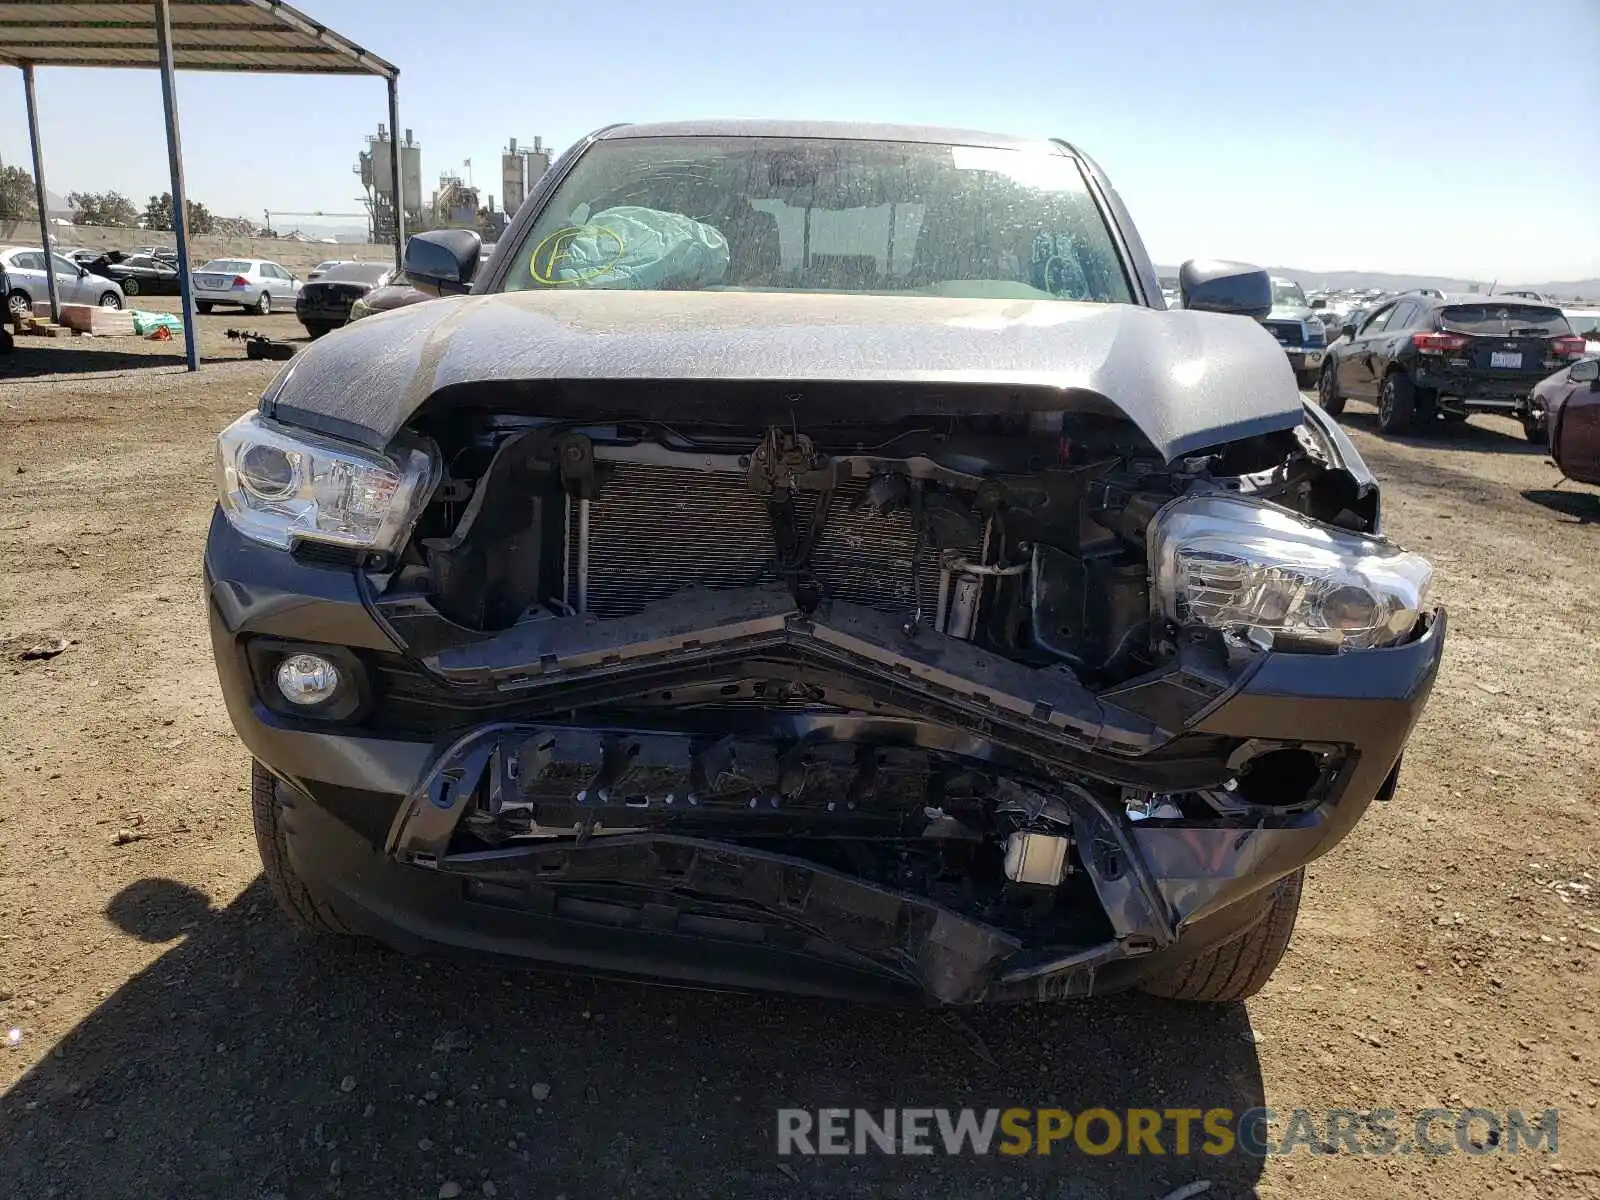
{"x":655,"y":530}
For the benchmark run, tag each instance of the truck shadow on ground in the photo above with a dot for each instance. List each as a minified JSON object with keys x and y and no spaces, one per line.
{"x":250,"y":1062}
{"x":1447,"y":435}
{"x":1582,"y":506}
{"x":27,"y":365}
{"x":59,"y":356}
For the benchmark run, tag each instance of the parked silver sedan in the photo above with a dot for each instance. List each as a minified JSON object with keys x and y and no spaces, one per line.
{"x":27,"y":284}
{"x":250,"y":283}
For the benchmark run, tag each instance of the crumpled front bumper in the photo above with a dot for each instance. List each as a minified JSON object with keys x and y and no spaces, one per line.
{"x":757,"y":921}
{"x":370,"y":815}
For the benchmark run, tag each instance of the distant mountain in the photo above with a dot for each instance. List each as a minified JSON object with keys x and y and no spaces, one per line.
{"x":1588,"y":289}
{"x":316,"y":230}
{"x":1583,"y":289}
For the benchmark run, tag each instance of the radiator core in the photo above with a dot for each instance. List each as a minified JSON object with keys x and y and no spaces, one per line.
{"x":655,"y":530}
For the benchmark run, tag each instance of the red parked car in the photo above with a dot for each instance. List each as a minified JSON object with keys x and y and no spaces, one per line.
{"x":1566,"y":406}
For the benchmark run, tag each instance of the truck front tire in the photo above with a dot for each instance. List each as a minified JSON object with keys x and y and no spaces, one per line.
{"x":302,"y":908}
{"x":1240,"y":968}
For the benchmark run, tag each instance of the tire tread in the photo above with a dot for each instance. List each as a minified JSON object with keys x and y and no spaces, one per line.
{"x":1241,"y":967}
{"x":1333,"y":403}
{"x":1403,"y":416}
{"x":298,"y":904}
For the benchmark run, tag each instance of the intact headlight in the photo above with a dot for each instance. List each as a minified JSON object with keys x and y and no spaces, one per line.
{"x":1224,"y":562}
{"x":280,"y":486}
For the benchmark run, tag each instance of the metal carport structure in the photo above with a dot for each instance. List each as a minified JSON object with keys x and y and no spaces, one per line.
{"x":257,"y":36}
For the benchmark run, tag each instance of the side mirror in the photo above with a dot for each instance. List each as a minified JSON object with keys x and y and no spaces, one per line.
{"x":1348,"y":329}
{"x":1225,"y":287}
{"x":443,"y":260}
{"x":1319,"y":304}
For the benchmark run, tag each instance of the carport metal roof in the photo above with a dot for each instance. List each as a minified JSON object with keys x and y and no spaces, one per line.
{"x":261,"y":36}
{"x":207,"y":35}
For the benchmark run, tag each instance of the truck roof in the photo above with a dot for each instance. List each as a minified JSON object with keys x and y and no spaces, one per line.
{"x":868,"y":131}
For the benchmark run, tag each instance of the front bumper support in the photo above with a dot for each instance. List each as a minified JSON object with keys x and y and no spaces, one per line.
{"x":369,"y":815}
{"x":952,"y":958}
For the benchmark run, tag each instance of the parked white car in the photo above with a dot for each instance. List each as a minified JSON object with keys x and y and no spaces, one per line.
{"x":1585,"y":323}
{"x":27,"y":284}
{"x":251,"y":283}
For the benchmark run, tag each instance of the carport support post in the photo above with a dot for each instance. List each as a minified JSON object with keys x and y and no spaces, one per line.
{"x":40,"y":192}
{"x":180,"y":199}
{"x":395,"y":175}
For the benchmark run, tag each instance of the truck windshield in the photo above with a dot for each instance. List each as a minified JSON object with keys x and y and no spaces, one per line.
{"x":1286,"y":294}
{"x":820,"y":215}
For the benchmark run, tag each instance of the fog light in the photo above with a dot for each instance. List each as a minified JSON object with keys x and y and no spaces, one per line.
{"x":307,"y":679}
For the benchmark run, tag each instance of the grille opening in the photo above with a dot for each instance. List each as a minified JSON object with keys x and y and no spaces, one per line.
{"x":656,"y":530}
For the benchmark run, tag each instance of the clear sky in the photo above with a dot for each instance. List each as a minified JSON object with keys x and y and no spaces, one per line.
{"x":1388,"y":135}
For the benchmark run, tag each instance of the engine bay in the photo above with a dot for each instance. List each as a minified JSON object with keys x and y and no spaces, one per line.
{"x":1022,"y":534}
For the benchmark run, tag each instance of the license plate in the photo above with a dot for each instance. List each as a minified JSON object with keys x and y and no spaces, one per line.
{"x":210,"y":281}
{"x":1509,"y":359}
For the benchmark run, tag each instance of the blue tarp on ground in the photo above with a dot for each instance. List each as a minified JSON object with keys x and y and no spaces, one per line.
{"x":146,"y":323}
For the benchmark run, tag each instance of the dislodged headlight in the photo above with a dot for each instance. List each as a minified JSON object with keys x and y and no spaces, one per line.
{"x":280,"y":486}
{"x":1229,"y":563}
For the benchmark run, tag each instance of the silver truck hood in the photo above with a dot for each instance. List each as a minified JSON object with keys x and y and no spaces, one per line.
{"x":1188,"y":380}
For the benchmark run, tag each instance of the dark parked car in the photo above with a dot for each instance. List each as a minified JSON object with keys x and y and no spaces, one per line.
{"x":324,"y":303}
{"x":1424,"y":357}
{"x":141,"y":274}
{"x":394,"y":292}
{"x":1563,"y":413}
{"x":760,"y":580}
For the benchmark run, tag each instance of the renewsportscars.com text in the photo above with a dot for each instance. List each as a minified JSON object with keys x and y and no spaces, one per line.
{"x":1178,"y":1131}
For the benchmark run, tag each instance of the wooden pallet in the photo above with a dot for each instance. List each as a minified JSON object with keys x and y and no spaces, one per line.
{"x":40,"y":327}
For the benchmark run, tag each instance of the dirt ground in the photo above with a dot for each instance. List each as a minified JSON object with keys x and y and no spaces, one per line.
{"x":175,"y":1039}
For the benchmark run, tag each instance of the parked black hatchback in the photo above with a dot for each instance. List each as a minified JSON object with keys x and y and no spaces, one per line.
{"x":1424,"y":358}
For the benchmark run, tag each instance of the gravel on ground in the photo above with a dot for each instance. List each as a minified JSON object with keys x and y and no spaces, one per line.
{"x":173,"y":1037}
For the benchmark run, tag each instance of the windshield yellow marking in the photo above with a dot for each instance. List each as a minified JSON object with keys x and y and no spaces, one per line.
{"x":554,"y":248}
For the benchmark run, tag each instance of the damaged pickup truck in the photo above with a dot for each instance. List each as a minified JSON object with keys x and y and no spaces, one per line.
{"x":811,"y":557}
